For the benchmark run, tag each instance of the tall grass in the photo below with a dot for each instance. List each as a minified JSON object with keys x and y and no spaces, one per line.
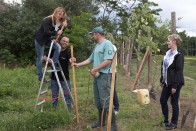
{"x":19,"y":87}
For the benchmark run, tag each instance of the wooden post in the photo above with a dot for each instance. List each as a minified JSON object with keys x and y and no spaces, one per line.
{"x":74,"y":84}
{"x":127,"y":59}
{"x":130,"y":57}
{"x":194,"y":125}
{"x":149,"y":65}
{"x":111,"y":93}
{"x":122,"y":54}
{"x":138,"y":51}
{"x":173,"y":19}
{"x":140,"y":68}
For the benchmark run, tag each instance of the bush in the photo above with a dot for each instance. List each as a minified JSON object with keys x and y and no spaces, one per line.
{"x":7,"y":57}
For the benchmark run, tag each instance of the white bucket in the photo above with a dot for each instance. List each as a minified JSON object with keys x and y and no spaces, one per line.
{"x":143,"y":96}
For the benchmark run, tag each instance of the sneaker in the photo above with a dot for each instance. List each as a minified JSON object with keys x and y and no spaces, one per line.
{"x":171,"y":126}
{"x":57,"y":67}
{"x":116,"y":112}
{"x":40,"y":79}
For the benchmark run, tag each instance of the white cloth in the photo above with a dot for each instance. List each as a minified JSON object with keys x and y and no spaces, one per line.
{"x":57,"y":25}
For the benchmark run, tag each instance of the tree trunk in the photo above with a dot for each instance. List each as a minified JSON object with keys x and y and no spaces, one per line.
{"x":130,"y":57}
{"x":149,"y":65}
{"x":138,"y":52}
{"x":150,"y":70}
{"x":122,"y":54}
{"x":127,"y":58}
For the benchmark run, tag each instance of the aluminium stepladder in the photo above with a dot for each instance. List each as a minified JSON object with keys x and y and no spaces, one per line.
{"x":40,"y":92}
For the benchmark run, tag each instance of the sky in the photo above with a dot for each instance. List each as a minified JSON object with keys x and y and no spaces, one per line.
{"x":184,"y":9}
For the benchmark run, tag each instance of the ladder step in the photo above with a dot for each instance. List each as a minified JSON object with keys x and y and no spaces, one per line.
{"x":43,"y":92}
{"x":41,"y":102}
{"x":49,"y":71}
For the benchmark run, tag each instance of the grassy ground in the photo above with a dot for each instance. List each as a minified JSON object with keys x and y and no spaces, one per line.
{"x":19,"y":87}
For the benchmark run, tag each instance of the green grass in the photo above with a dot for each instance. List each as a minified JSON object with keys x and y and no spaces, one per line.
{"x":19,"y":87}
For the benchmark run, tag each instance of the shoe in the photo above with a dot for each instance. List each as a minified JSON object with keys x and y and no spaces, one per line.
{"x":171,"y":126}
{"x":98,"y":123}
{"x":116,"y":112}
{"x":164,"y":123}
{"x":70,"y":107}
{"x":57,"y":67}
{"x":40,"y":79}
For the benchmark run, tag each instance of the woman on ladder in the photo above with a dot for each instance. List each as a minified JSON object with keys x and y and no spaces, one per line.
{"x":49,"y":27}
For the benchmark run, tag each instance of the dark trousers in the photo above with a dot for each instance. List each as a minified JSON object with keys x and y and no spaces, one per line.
{"x":115,"y":98}
{"x":165,"y":94}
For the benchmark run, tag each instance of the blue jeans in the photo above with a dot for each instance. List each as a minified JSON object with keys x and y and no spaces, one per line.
{"x":40,"y":53}
{"x":55,"y":92}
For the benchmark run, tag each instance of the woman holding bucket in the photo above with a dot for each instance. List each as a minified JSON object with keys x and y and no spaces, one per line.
{"x":172,"y":80}
{"x":50,"y":27}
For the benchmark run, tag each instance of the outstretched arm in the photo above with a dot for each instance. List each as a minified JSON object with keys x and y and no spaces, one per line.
{"x":86,"y":62}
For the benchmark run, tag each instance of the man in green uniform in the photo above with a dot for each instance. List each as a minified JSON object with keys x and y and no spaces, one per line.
{"x":101,"y":58}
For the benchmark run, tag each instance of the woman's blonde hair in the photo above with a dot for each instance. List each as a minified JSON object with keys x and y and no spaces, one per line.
{"x":175,"y":37}
{"x":58,"y":9}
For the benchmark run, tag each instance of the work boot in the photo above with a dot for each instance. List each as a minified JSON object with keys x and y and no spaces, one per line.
{"x":98,"y":123}
{"x":113,"y":122}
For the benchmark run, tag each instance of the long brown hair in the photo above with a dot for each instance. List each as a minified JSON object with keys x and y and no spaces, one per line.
{"x":58,"y":9}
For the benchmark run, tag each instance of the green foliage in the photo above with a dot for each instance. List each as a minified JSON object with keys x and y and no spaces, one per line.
{"x":7,"y":57}
{"x":18,"y":94}
{"x":17,"y":112}
{"x":147,"y":23}
{"x":78,"y":35}
{"x":6,"y":90}
{"x":46,"y":120}
{"x":10,"y":106}
{"x":18,"y":24}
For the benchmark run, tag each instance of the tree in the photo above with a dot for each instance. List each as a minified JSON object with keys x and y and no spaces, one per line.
{"x":18,"y":23}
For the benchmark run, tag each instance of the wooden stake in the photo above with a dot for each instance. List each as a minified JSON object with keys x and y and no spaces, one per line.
{"x":111,"y":93}
{"x":74,"y":84}
{"x":194,"y":125}
{"x":173,"y":19}
{"x":140,"y":68}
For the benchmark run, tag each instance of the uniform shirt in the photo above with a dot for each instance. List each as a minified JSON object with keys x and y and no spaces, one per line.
{"x":103,"y":51}
{"x":64,"y":61}
{"x":167,"y":61}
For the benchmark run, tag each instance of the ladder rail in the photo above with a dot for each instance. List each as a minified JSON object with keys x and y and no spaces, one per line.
{"x":68,"y":87}
{"x":59,"y":84}
{"x":58,"y":81}
{"x":45,"y":68}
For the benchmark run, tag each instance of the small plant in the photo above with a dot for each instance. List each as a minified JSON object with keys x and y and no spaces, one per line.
{"x":7,"y":57}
